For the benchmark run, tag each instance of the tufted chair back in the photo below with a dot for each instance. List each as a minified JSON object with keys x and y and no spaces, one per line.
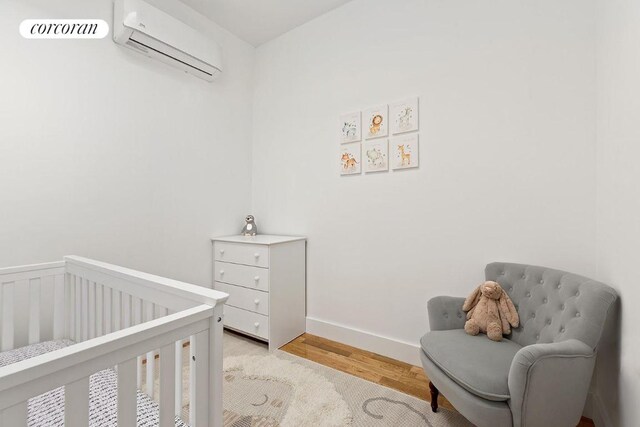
{"x":553,"y":305}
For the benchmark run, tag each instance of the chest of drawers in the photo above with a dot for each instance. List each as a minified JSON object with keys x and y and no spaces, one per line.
{"x":265,"y":278}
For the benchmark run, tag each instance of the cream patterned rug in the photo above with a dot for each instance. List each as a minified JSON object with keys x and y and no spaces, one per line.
{"x":283,"y":390}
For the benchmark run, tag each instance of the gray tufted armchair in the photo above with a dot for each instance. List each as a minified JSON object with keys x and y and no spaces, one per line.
{"x":537,"y":376}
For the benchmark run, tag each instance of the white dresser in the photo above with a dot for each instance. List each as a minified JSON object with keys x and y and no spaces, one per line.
{"x":265,"y":278}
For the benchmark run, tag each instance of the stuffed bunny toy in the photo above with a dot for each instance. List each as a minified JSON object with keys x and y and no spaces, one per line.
{"x":491,"y":311}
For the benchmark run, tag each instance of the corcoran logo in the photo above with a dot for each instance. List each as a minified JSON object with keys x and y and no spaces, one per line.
{"x":64,"y":29}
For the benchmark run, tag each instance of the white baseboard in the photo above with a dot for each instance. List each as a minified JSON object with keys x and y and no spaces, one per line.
{"x":389,"y":347}
{"x":599,"y":413}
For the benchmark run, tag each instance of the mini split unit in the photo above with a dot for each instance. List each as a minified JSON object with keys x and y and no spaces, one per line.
{"x":156,"y":34}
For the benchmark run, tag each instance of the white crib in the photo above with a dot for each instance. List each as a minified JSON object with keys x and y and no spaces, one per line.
{"x":117,"y":317}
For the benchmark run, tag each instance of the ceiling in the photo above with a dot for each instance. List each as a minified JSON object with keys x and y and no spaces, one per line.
{"x":258,"y":21}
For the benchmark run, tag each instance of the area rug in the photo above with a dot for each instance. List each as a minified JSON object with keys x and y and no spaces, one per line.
{"x":268,"y":390}
{"x":278,"y":389}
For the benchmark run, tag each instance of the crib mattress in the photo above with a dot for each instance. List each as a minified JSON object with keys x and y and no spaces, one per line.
{"x":47,"y":410}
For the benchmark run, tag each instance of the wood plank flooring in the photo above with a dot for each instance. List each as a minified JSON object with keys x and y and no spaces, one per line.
{"x":370,"y":366}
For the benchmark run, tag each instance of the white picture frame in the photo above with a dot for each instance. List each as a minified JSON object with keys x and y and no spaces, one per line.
{"x":404,"y":116}
{"x":350,"y":127}
{"x":405,"y":152}
{"x":350,"y":159}
{"x":375,"y":155}
{"x":376,"y":122}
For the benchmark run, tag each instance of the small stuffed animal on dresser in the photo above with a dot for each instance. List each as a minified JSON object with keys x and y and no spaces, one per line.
{"x":490,"y":311}
{"x":250,"y":228}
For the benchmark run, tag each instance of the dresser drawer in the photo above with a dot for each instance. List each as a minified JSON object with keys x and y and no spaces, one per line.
{"x":242,"y":275}
{"x":246,"y":321}
{"x":240,"y":253}
{"x":247,"y":299}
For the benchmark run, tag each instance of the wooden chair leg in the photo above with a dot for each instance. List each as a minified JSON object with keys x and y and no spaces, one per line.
{"x":434,"y":397}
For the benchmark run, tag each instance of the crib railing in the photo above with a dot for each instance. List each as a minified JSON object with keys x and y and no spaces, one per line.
{"x":117,"y":317}
{"x":32,"y":305}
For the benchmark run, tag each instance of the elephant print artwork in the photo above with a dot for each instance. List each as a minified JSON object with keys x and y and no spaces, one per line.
{"x":376,"y":156}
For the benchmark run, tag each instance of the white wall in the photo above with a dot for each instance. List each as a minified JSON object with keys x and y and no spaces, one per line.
{"x":618,"y":371}
{"x":507,"y":92}
{"x":107,"y":154}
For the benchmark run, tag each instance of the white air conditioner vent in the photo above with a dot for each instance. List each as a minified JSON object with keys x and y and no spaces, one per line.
{"x":158,"y":35}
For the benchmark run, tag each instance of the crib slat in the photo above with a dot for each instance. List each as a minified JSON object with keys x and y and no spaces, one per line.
{"x":92,"y":309}
{"x":99,"y":308}
{"x":139,"y":369}
{"x":34,"y":311}
{"x":15,"y":415}
{"x":84,"y":285}
{"x":70,"y":298}
{"x":167,"y":385}
{"x":127,"y":395}
{"x":7,"y":315}
{"x":76,"y":403}
{"x":21,"y":295}
{"x":215,"y":368}
{"x":200,"y":397}
{"x":151,"y":363}
{"x":137,"y":319}
{"x":59,"y":306}
{"x":159,"y":311}
{"x":126,"y":310}
{"x":47,"y":307}
{"x":116,"y":302}
{"x":148,"y":313}
{"x":192,"y":379}
{"x":137,"y":311}
{"x":178,"y":381}
{"x":108,"y":321}
{"x":78,"y":308}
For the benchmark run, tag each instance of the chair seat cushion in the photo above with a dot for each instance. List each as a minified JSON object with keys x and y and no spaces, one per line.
{"x":476,"y":363}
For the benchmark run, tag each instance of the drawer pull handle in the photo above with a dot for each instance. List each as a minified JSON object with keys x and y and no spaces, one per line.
{"x":221,"y":251}
{"x":257,"y":324}
{"x":257,"y":255}
{"x":257,"y":278}
{"x":221,"y":272}
{"x":256,"y":301}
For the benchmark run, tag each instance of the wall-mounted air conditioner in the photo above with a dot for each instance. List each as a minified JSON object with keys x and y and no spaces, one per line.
{"x":156,"y":34}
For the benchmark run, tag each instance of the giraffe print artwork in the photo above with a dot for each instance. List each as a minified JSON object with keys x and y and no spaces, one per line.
{"x":405,"y":152}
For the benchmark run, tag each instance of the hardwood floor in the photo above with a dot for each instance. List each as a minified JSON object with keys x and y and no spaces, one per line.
{"x":370,"y":366}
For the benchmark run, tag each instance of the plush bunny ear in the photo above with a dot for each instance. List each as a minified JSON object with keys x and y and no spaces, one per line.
{"x":472,"y":300}
{"x":508,"y":310}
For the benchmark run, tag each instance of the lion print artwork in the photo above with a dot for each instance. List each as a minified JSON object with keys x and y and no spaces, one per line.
{"x":376,"y":124}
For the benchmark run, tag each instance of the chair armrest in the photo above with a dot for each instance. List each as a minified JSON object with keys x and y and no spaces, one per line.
{"x":446,"y":313}
{"x":548,"y":383}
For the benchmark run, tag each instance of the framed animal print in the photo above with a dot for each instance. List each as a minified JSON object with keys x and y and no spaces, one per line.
{"x":376,"y":122}
{"x":376,"y":155}
{"x":350,"y":128}
{"x":404,"y":152}
{"x":350,"y":162}
{"x":404,"y":116}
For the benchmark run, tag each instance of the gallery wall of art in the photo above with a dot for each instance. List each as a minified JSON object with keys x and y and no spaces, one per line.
{"x":378,"y":153}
